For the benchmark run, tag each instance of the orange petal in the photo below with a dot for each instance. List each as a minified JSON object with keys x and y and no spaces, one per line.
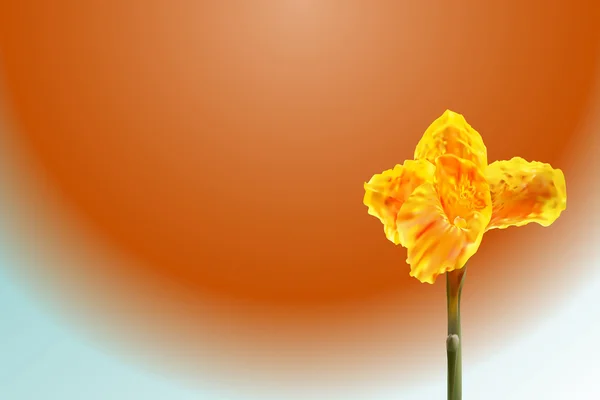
{"x":451,"y":134}
{"x":386,"y":192}
{"x":525,"y":192}
{"x":440,"y":228}
{"x":434,"y":244}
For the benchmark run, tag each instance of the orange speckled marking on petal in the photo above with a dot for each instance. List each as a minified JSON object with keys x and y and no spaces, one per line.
{"x":525,"y":192}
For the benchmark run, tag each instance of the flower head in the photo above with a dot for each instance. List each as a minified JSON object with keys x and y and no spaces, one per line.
{"x":440,"y":204}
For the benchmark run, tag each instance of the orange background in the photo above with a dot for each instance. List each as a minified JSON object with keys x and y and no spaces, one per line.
{"x":221,"y":148}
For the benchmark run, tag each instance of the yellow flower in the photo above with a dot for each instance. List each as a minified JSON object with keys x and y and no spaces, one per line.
{"x":440,"y":204}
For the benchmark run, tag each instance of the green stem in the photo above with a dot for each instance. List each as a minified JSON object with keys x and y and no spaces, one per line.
{"x":454,"y":283}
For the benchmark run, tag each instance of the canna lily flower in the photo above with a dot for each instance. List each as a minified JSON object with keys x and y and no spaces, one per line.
{"x":439,"y":205}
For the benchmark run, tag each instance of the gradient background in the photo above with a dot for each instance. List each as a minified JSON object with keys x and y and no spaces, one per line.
{"x":181,"y":188}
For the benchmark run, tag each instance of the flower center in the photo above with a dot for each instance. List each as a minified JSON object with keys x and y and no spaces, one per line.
{"x":460,"y":223}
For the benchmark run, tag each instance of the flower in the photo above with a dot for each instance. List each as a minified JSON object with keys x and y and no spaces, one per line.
{"x":439,"y":205}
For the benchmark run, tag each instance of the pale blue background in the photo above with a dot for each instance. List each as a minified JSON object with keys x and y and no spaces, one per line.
{"x":42,"y":359}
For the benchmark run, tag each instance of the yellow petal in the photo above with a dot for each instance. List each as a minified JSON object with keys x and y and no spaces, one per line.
{"x":524,"y":192}
{"x":440,"y":229}
{"x":386,"y":192}
{"x":451,"y":134}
